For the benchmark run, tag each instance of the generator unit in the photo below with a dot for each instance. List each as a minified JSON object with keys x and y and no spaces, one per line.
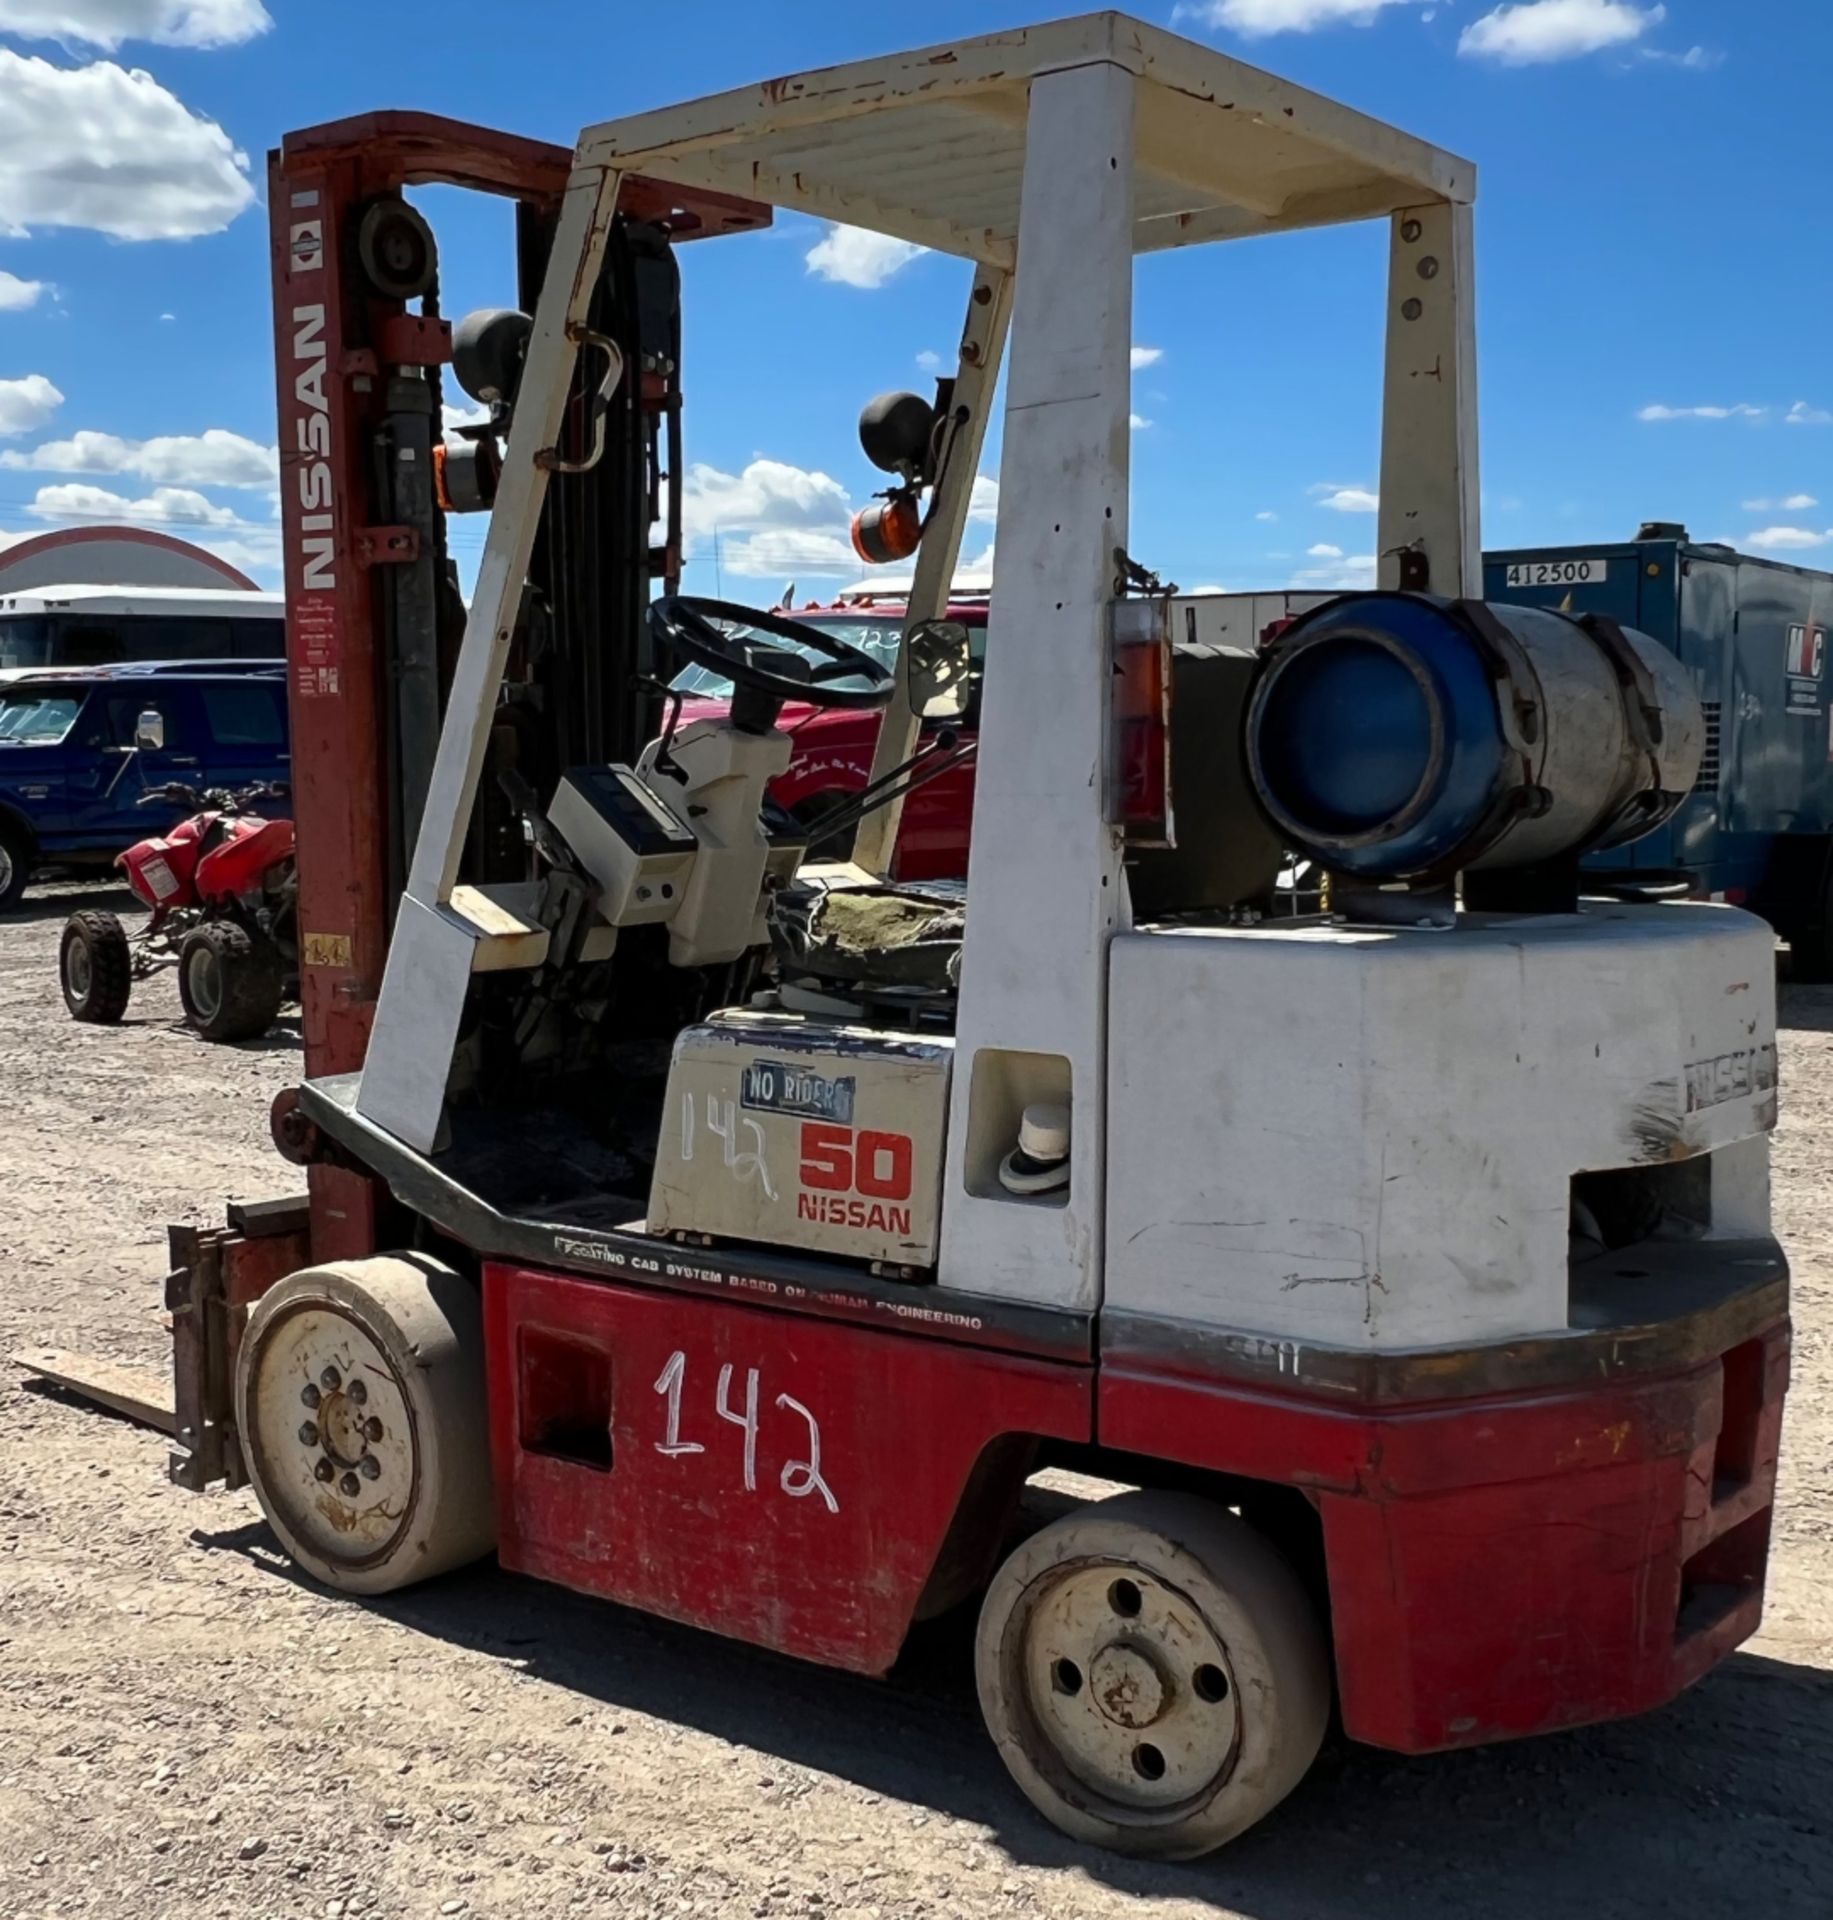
{"x":1756,"y":829}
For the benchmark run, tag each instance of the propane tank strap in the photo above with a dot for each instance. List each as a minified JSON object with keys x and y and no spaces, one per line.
{"x":1642,"y":704}
{"x":1512,"y":670}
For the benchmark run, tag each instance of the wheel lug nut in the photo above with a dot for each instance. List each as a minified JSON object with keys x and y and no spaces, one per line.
{"x":330,"y":1379}
{"x":349,"y":1486}
{"x":369,"y":1467}
{"x":323,"y":1470}
{"x":372,"y":1429}
{"x":308,"y":1434}
{"x":309,"y":1397}
{"x":358,"y":1392}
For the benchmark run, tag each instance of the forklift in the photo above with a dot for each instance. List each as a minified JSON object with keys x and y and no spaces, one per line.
{"x":734,"y":1236}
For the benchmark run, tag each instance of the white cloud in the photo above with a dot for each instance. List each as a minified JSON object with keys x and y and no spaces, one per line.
{"x":168,"y":316}
{"x":1266,"y":513}
{"x":1138,"y":422}
{"x":1337,"y":576}
{"x":1208,"y":586}
{"x":1254,"y":19}
{"x":1802,"y":415}
{"x":1740,"y":412}
{"x":252,"y":545}
{"x":1323,"y":552}
{"x":857,"y":257}
{"x":27,"y":403}
{"x":769,"y":493}
{"x":163,"y":507}
{"x":1794,"y":503}
{"x":16,"y":294}
{"x":1533,"y":31}
{"x":772,"y":518}
{"x":1780,"y":539}
{"x":929,"y":360}
{"x":1695,"y":59}
{"x":452,"y":418}
{"x":1347,"y":499}
{"x":1145,"y":357}
{"x":111,"y":150}
{"x":213,"y":458}
{"x":106,"y":23}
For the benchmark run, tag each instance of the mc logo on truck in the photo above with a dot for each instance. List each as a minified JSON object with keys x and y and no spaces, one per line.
{"x":854,"y":1177}
{"x":312,"y":435}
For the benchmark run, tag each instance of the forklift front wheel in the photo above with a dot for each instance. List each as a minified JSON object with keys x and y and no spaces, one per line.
{"x":360,"y":1403}
{"x":1153,"y":1674}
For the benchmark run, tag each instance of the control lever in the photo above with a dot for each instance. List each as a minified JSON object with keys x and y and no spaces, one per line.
{"x":548,"y":843}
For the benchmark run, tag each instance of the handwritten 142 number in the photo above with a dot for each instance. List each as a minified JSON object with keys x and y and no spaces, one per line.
{"x":799,"y":1478}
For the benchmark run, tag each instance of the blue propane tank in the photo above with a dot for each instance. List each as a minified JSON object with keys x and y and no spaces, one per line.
{"x":1398,"y":736}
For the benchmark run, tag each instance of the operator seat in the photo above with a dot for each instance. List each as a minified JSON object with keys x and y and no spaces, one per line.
{"x":839,"y":933}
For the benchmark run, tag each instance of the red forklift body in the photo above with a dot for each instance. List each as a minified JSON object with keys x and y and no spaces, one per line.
{"x":1497,"y":1566}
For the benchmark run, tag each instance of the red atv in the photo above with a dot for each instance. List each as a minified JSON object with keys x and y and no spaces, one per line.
{"x":223,"y":887}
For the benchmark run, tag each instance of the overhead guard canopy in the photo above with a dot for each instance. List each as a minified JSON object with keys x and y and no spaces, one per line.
{"x":929,"y":146}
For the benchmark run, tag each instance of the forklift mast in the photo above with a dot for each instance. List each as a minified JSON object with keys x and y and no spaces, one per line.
{"x":374,"y":615}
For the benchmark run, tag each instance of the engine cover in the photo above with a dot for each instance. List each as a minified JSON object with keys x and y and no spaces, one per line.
{"x":791,"y":1133}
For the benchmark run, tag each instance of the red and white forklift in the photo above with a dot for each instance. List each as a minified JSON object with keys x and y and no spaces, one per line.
{"x":734,"y":1237}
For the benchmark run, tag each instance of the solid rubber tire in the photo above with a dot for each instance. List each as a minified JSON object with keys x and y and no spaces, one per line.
{"x":1259,"y":1609}
{"x":428,"y":1321}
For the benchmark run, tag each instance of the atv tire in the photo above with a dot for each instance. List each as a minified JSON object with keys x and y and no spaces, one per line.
{"x":95,"y":968}
{"x":230,"y":982}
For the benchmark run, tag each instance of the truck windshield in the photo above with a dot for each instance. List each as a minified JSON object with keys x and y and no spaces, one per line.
{"x":30,"y":719}
{"x":880,"y":638}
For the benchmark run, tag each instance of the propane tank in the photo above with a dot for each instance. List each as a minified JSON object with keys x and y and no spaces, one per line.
{"x":1397,"y":736}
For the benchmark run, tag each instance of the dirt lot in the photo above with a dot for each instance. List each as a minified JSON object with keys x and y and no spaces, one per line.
{"x":185,"y":1729}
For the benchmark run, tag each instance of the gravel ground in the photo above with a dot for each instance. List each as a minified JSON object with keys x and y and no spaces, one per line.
{"x":185,"y":1729}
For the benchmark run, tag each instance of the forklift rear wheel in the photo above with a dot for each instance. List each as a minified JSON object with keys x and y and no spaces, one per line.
{"x":231,"y":983}
{"x":95,"y":968}
{"x":359,"y":1399}
{"x":1153,"y":1674}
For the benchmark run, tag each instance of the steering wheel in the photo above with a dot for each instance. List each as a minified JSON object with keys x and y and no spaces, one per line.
{"x":751,"y":661}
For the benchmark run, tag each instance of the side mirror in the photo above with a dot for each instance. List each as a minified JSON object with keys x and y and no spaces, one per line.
{"x":938,"y":666}
{"x":149,"y":730}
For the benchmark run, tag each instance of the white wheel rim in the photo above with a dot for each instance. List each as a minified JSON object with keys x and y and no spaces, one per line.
{"x":76,"y":961}
{"x":1129,"y":1685}
{"x":333,"y":1435}
{"x":204,"y":977}
{"x":6,"y":867}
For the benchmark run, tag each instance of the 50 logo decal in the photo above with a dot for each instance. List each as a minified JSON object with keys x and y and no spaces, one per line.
{"x":856,"y":1178}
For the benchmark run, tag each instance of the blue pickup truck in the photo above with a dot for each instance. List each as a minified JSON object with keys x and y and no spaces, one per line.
{"x":80,"y":748}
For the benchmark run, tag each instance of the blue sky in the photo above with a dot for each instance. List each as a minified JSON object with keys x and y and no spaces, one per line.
{"x":1654,"y":270}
